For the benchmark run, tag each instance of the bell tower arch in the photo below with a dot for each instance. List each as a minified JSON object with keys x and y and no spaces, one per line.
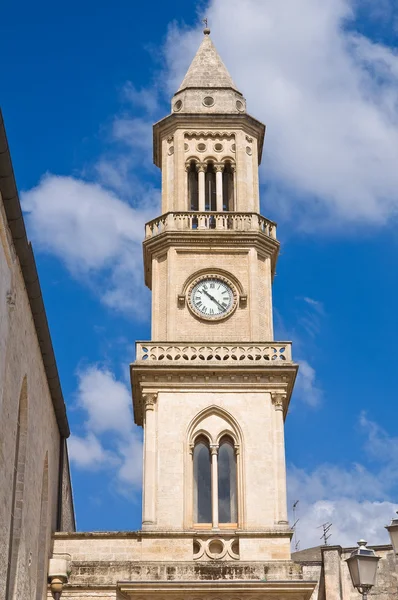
{"x":212,"y":386}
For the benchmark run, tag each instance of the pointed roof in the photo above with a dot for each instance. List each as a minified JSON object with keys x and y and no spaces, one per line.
{"x":207,"y":70}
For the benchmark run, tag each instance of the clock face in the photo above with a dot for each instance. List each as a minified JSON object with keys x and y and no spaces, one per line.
{"x":212,"y":297}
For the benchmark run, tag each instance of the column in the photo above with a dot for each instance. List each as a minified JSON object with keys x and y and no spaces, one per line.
{"x":278,"y":398}
{"x":219,"y":191}
{"x":149,"y":476}
{"x":201,"y":186}
{"x":214,"y":484}
{"x":186,"y":188}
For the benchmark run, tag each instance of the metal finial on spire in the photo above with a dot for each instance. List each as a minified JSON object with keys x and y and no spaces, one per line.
{"x":206,"y":30}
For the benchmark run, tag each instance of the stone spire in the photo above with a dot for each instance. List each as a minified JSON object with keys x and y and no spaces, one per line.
{"x":208,"y":87}
{"x":207,"y":70}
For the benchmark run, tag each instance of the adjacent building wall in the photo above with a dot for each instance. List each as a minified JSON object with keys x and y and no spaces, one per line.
{"x":33,"y":423}
{"x":328,"y":565}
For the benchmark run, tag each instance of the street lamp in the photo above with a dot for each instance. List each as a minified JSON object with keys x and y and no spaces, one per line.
{"x":392,"y":529}
{"x":362,"y":565}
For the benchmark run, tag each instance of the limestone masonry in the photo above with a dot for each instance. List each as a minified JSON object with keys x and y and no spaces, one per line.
{"x":211,"y":390}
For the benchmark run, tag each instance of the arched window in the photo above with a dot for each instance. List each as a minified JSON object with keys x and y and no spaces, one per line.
{"x":210,"y":188}
{"x":202,"y":482}
{"x":215,"y":482}
{"x":228,"y":187}
{"x":17,"y":491}
{"x":227,"y":505}
{"x":193,"y":192}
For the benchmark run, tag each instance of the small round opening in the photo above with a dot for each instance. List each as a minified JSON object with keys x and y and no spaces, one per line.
{"x":235,"y":547}
{"x":218,"y":147}
{"x":178,"y":105}
{"x":248,"y":150}
{"x":240,"y":106}
{"x":196,"y":547}
{"x":208,"y":101}
{"x":186,"y":147}
{"x":201,"y":147}
{"x":233,"y":147}
{"x":216,"y":547}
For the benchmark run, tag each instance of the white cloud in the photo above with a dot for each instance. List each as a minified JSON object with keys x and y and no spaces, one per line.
{"x":382,"y":446}
{"x":110,"y":441}
{"x":328,"y":95}
{"x":316,"y":304}
{"x":351,"y":521}
{"x":307,"y":328}
{"x":307,"y":387}
{"x":357,"y":500}
{"x":94,"y":233}
{"x":105,"y":400}
{"x":87,"y":453}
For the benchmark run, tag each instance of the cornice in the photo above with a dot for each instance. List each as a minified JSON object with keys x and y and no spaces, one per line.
{"x":152,"y":378}
{"x":294,"y":589}
{"x":169,"y":124}
{"x":211,"y":239}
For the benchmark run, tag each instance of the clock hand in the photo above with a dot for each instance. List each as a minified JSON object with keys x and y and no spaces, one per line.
{"x":214,"y":300}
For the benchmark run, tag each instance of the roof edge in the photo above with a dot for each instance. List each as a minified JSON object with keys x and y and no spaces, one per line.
{"x":23,"y":247}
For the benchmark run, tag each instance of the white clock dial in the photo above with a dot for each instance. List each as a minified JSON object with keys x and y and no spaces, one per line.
{"x":212,"y":298}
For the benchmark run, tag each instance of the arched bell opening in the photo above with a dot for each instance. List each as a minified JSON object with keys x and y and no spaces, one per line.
{"x":228,"y":187}
{"x":193,"y":188}
{"x":210,"y":188}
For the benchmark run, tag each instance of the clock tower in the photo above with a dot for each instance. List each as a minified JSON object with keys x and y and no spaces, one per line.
{"x":212,"y":387}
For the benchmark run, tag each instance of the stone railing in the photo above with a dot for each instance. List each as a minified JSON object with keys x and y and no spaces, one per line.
{"x":220,"y":221}
{"x":229,"y":353}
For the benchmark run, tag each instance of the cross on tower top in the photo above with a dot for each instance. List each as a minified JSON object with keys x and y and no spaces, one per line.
{"x":206,"y":30}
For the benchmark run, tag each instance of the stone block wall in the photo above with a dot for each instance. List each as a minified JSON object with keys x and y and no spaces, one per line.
{"x":29,"y":477}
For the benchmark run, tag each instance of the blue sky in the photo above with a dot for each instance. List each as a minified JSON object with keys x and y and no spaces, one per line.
{"x":80,"y":89}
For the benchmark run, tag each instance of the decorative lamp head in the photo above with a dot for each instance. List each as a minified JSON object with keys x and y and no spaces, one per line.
{"x":362,"y":565}
{"x":392,"y":529}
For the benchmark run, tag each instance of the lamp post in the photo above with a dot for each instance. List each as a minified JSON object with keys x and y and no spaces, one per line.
{"x":362,"y":565}
{"x":392,"y":529}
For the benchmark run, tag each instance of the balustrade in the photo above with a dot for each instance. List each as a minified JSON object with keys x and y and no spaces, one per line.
{"x":220,"y":221}
{"x":213,"y":353}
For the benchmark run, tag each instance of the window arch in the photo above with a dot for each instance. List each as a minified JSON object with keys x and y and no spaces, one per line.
{"x":193,"y":190}
{"x":18,"y":490}
{"x":210,"y":185}
{"x":202,"y":481}
{"x":216,"y":437}
{"x":215,"y":482}
{"x":227,"y":480}
{"x":210,"y":188}
{"x":228,"y":187}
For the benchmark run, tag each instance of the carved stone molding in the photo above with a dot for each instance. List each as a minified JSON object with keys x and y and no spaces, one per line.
{"x":213,"y":449}
{"x":194,"y":353}
{"x":210,"y":134}
{"x":279,"y":399}
{"x":215,"y":548}
{"x":149,"y":401}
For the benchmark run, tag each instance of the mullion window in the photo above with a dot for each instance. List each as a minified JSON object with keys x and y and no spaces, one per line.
{"x":225,"y":483}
